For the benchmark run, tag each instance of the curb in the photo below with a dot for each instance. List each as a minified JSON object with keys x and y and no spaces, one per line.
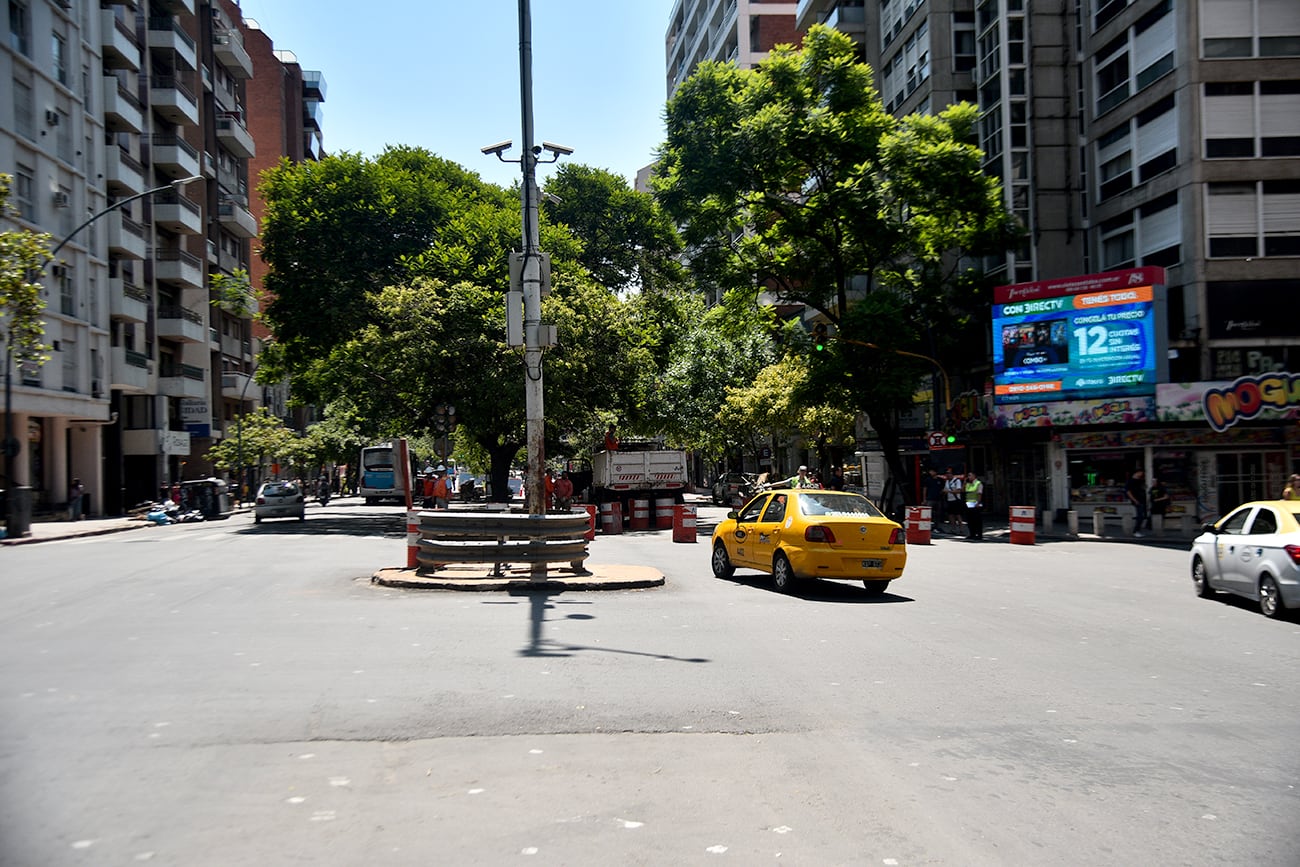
{"x":601,"y":578}
{"x":32,"y":540}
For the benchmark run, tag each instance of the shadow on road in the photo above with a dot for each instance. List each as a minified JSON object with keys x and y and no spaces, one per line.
{"x":817,"y":590}
{"x":542,"y":601}
{"x":330,"y":525}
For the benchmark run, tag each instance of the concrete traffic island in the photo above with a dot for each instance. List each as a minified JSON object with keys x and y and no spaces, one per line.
{"x":482,"y":579}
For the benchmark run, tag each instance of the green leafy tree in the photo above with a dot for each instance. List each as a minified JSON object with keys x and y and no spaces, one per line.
{"x":793,"y":178}
{"x":627,"y":242}
{"x":23,"y":256}
{"x":253,"y":440}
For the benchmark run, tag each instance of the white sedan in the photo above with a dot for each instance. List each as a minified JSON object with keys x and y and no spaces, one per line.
{"x":1253,"y":551}
{"x":279,"y":500}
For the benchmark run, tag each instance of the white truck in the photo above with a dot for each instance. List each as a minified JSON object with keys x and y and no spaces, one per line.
{"x":638,"y":474}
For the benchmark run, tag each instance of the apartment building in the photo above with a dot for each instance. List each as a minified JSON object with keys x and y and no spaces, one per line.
{"x":741,"y":31}
{"x":130,"y":117}
{"x":1150,"y":136}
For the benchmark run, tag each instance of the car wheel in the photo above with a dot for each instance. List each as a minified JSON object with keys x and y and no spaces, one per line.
{"x":1201,"y":579}
{"x":722,"y":566}
{"x":1270,"y":603}
{"x":782,"y":574}
{"x":257,"y":519}
{"x":874,"y":586}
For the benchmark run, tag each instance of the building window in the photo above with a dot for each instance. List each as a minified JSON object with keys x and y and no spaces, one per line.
{"x":1232,"y":219}
{"x":20,"y":28}
{"x":59,"y":58}
{"x":23,"y":201}
{"x":1159,"y":232}
{"x":67,"y":290}
{"x":1156,"y":134}
{"x":24,"y":110}
{"x":1228,"y":28}
{"x":1231,"y":110}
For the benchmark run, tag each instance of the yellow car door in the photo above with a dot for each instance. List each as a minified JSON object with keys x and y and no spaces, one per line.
{"x":767,"y":531}
{"x":741,"y":540}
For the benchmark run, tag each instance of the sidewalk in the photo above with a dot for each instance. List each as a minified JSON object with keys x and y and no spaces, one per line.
{"x":999,"y":531}
{"x":49,"y":531}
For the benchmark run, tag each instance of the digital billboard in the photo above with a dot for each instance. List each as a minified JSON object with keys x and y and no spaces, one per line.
{"x":1099,"y":336}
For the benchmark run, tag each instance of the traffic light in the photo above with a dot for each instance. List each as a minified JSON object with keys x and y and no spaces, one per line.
{"x":819,"y":337}
{"x":950,"y":439}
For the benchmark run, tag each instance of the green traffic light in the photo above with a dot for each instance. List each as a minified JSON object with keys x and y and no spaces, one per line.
{"x":950,"y":439}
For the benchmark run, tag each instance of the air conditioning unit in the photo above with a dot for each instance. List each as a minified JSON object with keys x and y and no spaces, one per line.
{"x":51,"y":117}
{"x":62,"y":200}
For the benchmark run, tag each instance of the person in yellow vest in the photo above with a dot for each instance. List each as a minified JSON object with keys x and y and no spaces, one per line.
{"x":1292,"y":491}
{"x":974,"y":490}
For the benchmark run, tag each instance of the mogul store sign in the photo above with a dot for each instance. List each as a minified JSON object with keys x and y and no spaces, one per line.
{"x":1223,"y":404}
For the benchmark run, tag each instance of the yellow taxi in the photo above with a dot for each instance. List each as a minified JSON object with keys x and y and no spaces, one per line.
{"x":802,"y":533}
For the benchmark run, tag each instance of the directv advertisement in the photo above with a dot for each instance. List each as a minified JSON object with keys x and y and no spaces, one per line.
{"x":1097,"y":336}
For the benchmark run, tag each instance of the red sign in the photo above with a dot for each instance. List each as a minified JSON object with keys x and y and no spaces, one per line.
{"x":1105,"y":282}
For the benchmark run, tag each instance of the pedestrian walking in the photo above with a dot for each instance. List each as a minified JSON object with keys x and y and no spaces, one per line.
{"x":1136,"y":491}
{"x":955,"y":494}
{"x":441,"y":492}
{"x":75,"y":494}
{"x":934,"y":495}
{"x":1160,"y":500}
{"x":973,"y":490}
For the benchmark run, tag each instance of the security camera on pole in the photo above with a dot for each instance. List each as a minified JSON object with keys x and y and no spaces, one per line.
{"x":530,"y":274}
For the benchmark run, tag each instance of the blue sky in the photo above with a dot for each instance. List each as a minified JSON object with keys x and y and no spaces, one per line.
{"x":444,"y":75}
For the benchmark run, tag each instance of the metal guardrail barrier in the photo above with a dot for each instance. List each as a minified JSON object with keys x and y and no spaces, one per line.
{"x":499,"y":538}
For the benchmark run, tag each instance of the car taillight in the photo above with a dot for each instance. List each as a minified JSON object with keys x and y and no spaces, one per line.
{"x":1293,"y":551}
{"x":897,"y":537}
{"x":261,"y":501}
{"x":819,"y":534}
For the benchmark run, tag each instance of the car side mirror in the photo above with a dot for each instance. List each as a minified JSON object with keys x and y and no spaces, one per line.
{"x":1209,"y":528}
{"x":733,"y":514}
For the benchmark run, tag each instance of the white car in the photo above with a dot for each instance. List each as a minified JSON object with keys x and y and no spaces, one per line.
{"x":279,"y":500}
{"x":1253,"y":551}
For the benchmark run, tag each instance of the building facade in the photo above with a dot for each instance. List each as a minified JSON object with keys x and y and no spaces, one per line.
{"x":132,"y":118}
{"x":1128,"y":134}
{"x":740,"y":31}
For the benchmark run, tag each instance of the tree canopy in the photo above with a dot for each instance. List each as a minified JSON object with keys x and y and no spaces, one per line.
{"x":791,"y":178}
{"x":23,"y":256}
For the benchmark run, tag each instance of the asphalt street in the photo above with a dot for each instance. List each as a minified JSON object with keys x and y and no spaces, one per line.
{"x":224,"y":693}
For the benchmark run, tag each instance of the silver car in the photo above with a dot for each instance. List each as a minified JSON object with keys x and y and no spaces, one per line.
{"x":279,"y":500}
{"x":1253,"y":551}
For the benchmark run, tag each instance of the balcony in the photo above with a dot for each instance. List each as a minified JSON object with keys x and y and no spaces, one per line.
{"x":121,"y":51}
{"x":236,"y":218}
{"x":176,"y":7}
{"x":209,"y":165}
{"x":166,"y":34}
{"x":151,"y":441}
{"x":122,"y":111}
{"x":176,"y":213}
{"x":173,"y":100}
{"x":181,"y":324}
{"x":130,"y":370}
{"x":178,"y":267}
{"x":236,"y":386}
{"x":126,"y":237}
{"x":127,"y":302}
{"x":228,"y":46}
{"x":313,"y":85}
{"x":234,"y":136}
{"x":183,"y":380}
{"x":122,"y":172}
{"x":174,"y":155}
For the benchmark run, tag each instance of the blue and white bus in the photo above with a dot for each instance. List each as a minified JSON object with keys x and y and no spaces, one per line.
{"x":377,"y":479}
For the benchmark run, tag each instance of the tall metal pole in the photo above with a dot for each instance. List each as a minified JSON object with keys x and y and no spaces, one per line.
{"x":531,"y":277}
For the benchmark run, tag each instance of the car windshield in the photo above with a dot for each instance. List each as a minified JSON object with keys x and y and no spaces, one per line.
{"x":835,"y":503}
{"x":279,"y":490}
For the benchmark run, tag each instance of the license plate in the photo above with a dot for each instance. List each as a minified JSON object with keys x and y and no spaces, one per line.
{"x":872,"y":564}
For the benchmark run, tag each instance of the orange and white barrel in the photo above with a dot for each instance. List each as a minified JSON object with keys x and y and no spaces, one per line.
{"x":683,"y":523}
{"x":664,"y":514}
{"x":412,"y":539}
{"x":592,"y":511}
{"x":611,"y":518}
{"x":1022,"y":525}
{"x":918,"y":525}
{"x":640,"y":517}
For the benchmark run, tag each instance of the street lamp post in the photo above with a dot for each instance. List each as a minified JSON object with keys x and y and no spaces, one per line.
{"x":11,"y":445}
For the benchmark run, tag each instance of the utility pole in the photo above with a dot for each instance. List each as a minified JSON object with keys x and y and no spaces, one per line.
{"x":534,"y":273}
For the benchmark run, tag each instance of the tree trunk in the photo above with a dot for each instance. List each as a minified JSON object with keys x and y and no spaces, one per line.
{"x":884,"y":425}
{"x":501,"y":454}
